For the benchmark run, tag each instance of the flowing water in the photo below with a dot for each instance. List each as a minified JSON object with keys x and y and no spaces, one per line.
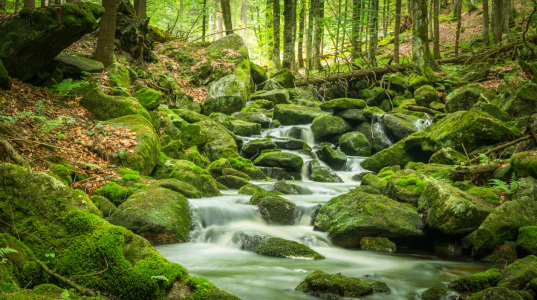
{"x":223,"y":224}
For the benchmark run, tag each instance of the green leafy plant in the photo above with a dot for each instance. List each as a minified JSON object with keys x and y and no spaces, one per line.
{"x":68,"y":85}
{"x":121,"y":154}
{"x":483,"y":158}
{"x":4,"y":251}
{"x":160,"y":278}
{"x":510,"y":188}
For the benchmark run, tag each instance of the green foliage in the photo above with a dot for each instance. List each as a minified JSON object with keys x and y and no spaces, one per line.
{"x":4,"y":251}
{"x":503,"y":186}
{"x":68,"y":85}
{"x":160,"y":278}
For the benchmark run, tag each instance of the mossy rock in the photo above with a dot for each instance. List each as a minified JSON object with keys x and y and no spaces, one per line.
{"x":192,"y":154}
{"x":158,"y":214}
{"x":291,"y":114}
{"x":496,"y":293}
{"x":377,"y":244}
{"x":405,"y":186}
{"x":148,"y":97}
{"x":334,"y":158}
{"x":520,"y":102}
{"x":144,"y":157}
{"x":278,"y":247}
{"x":227,"y":95}
{"x":502,"y":254}
{"x":62,"y":173}
{"x":354,"y":116}
{"x":472,"y":128}
{"x":426,"y":95}
{"x":253,"y":117}
{"x":326,"y":128}
{"x":527,"y":240}
{"x":217,"y":166}
{"x":477,"y":282}
{"x":448,"y":156}
{"x":275,"y":209}
{"x":374,"y":182}
{"x":279,"y":96}
{"x":355,"y":143}
{"x":464,"y":98}
{"x":258,"y":73}
{"x":236,"y":173}
{"x":128,"y":175}
{"x":524,"y":164}
{"x":491,"y":109}
{"x":5,"y":81}
{"x":119,"y":76}
{"x":243,"y":128}
{"x":398,"y":82}
{"x":76,"y":65}
{"x":232,"y":182}
{"x":115,"y":193}
{"x":342,"y":104}
{"x":518,"y":274}
{"x":376,"y":139}
{"x":291,"y":144}
{"x":334,"y":286}
{"x":434,"y":293}
{"x":286,"y":188}
{"x":201,"y":288}
{"x":286,"y":160}
{"x":66,"y":222}
{"x":257,"y":146}
{"x":401,"y":125}
{"x":416,"y":81}
{"x":106,"y":206}
{"x":285,"y":78}
{"x":188,"y":172}
{"x":251,"y":189}
{"x":183,"y":188}
{"x":363,"y":212}
{"x":105,"y":107}
{"x":320,"y":173}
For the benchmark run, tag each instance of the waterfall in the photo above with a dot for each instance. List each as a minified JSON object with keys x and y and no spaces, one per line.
{"x":422,"y":124}
{"x":379,"y":129}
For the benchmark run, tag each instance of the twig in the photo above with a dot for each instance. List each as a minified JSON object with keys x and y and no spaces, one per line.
{"x":465,"y":152}
{"x":12,"y":153}
{"x":41,"y":143}
{"x":75,"y":276}
{"x":423,"y":109}
{"x":79,"y":288}
{"x":522,"y":139}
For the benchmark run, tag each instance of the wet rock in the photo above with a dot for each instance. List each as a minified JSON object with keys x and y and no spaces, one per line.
{"x":527,"y":240}
{"x":477,"y":282}
{"x":291,"y":144}
{"x":448,"y":156}
{"x":106,"y":207}
{"x":342,"y":104}
{"x":183,"y":188}
{"x":426,"y":95}
{"x":520,"y":102}
{"x":232,"y":182}
{"x":248,"y":242}
{"x":291,"y":114}
{"x":286,"y":188}
{"x":497,"y":293}
{"x":377,"y":244}
{"x":401,"y":125}
{"x":326,"y":128}
{"x":258,"y":73}
{"x":405,"y":186}
{"x":257,"y":146}
{"x":320,"y":173}
{"x":288,"y":161}
{"x":186,"y":171}
{"x":524,"y":164}
{"x":278,"y":247}
{"x":243,"y":128}
{"x":434,"y":293}
{"x":334,"y":286}
{"x":280,"y":173}
{"x":275,"y":209}
{"x":375,"y":138}
{"x":355,"y":116}
{"x":158,"y":214}
{"x":335,"y":159}
{"x":284,"y":78}
{"x":355,"y":143}
{"x":236,"y":173}
{"x":251,"y":189}
{"x":254,"y":117}
{"x":280,"y":96}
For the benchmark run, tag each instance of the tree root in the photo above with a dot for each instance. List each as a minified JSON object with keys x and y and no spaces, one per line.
{"x":82,"y":290}
{"x":12,"y":153}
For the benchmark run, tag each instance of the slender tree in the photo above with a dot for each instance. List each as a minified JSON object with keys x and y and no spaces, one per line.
{"x":301,"y":25}
{"x":309,"y":34}
{"x":276,"y":64}
{"x":244,"y":19}
{"x":105,"y":42}
{"x":423,"y":59}
{"x":226,"y":15}
{"x":356,"y":28}
{"x":397,"y":31}
{"x":289,"y":34}
{"x":318,"y":30}
{"x":204,"y":21}
{"x":436,"y":41}
{"x":486,"y":35}
{"x":29,"y":3}
{"x":140,"y":7}
{"x":458,"y":31}
{"x":336,"y":43}
{"x":373,"y":33}
{"x":269,"y":37}
{"x":218,"y":22}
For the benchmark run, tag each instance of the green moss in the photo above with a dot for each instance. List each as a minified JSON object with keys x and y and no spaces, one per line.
{"x":434,"y":293}
{"x":115,"y":193}
{"x":477,"y":282}
{"x":488,"y":194}
{"x":275,"y":209}
{"x":278,"y":247}
{"x":251,"y":189}
{"x":187,"y":171}
{"x":202,"y":289}
{"x":334,"y":286}
{"x":129,"y":175}
{"x":377,"y":244}
{"x":527,"y":240}
{"x":412,"y":184}
{"x":62,"y":173}
{"x":149,"y":98}
{"x":217,"y":166}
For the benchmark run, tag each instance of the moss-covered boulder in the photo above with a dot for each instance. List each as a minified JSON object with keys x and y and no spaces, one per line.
{"x":363,"y":212}
{"x":473,"y":129}
{"x":236,"y":173}
{"x":227,"y":95}
{"x":275,"y":209}
{"x":374,"y":181}
{"x":476,"y":71}
{"x":145,"y":156}
{"x":105,"y":107}
{"x":525,"y":164}
{"x":426,"y":95}
{"x":251,"y":189}
{"x":286,"y":188}
{"x":65,"y":221}
{"x":342,"y":104}
{"x":242,"y":128}
{"x":258,"y":73}
{"x":520,"y":102}
{"x":405,"y":186}
{"x":376,"y":138}
{"x":278,"y":247}
{"x":279,"y":96}
{"x":334,"y":286}
{"x":231,"y":42}
{"x":77,"y":65}
{"x":518,"y":274}
{"x":320,"y":173}
{"x":450,"y":210}
{"x":106,"y":206}
{"x":377,"y":244}
{"x":46,"y":33}
{"x":448,"y":156}
{"x":148,"y":97}
{"x":285,"y":78}
{"x":401,"y":125}
{"x":464,"y":98}
{"x":180,"y":187}
{"x":398,"y":82}
{"x":326,"y":128}
{"x":158,"y":214}
{"x":334,"y":158}
{"x":527,"y":240}
{"x":232,"y":182}
{"x":416,"y":81}
{"x":291,"y":143}
{"x":217,"y":166}
{"x":355,"y":143}
{"x":257,"y":146}
{"x":286,"y":160}
{"x":477,"y":282}
{"x":354,"y":116}
{"x":434,"y":293}
{"x":116,"y":193}
{"x":5,"y":81}
{"x":503,"y":223}
{"x":187,"y":171}
{"x":291,"y":114}
{"x":497,"y":293}
{"x":253,"y":117}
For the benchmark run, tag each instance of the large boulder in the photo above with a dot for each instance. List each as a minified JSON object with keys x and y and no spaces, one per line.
{"x":258,"y":73}
{"x":334,"y":286}
{"x":254,"y":117}
{"x":183,"y":188}
{"x":157,"y":214}
{"x":145,"y":156}
{"x":363,"y":212}
{"x":275,"y":209}
{"x":355,"y":116}
{"x":278,"y":247}
{"x":355,"y":143}
{"x":76,"y":65}
{"x":320,"y":173}
{"x":334,"y":158}
{"x":291,"y":114}
{"x":186,"y":171}
{"x":404,"y":186}
{"x":285,"y":78}
{"x":326,"y":128}
{"x":257,"y":146}
{"x":518,"y":274}
{"x":243,"y":128}
{"x":32,"y":39}
{"x":342,"y":104}
{"x":504,"y":222}
{"x":426,"y":95}
{"x":232,"y":42}
{"x":148,"y":97}
{"x":450,"y":210}
{"x":377,"y":138}
{"x":472,"y":129}
{"x":401,"y":125}
{"x":286,"y":160}
{"x":519,"y":102}
{"x":279,"y":96}
{"x":477,"y":282}
{"x":105,"y":107}
{"x":464,"y":98}
{"x":227,"y":95}
{"x":66,"y":221}
{"x":525,"y":164}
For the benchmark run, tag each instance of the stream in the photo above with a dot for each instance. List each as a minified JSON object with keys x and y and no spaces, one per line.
{"x":222,"y":222}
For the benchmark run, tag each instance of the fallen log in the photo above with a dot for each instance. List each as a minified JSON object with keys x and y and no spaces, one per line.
{"x":512,"y":143}
{"x":475,"y":174}
{"x":373,"y":72}
{"x":12,"y":153}
{"x":423,"y":109}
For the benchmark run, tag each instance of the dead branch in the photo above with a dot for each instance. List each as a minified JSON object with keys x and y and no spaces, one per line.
{"x":12,"y":153}
{"x":423,"y":109}
{"x":522,"y":139}
{"x":79,"y":288}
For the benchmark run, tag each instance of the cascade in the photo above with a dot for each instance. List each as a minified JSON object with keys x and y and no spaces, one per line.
{"x":379,"y":129}
{"x":422,"y":124}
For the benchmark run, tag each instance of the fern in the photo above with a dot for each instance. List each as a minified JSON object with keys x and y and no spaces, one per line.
{"x":68,"y":85}
{"x":160,"y":278}
{"x":6,"y":250}
{"x":483,"y":158}
{"x":514,"y":184}
{"x":499,"y":185}
{"x":65,"y":295}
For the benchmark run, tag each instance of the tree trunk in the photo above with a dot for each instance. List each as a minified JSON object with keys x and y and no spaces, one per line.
{"x":218,"y":23}
{"x":29,"y":3}
{"x":43,"y":4}
{"x":410,"y":6}
{"x":423,"y":59}
{"x":16,"y":9}
{"x":301,"y":25}
{"x":105,"y":42}
{"x":276,"y":64}
{"x":436,"y":43}
{"x":498,"y":21}
{"x":430,"y":18}
{"x":143,"y":9}
{"x":397,"y":31}
{"x":136,"y":6}
{"x":355,"y":31}
{"x":244,"y":19}
{"x":486,"y":38}
{"x":344,"y":33}
{"x":309,"y":34}
{"x":318,"y":35}
{"x":3,"y":5}
{"x":204,"y":21}
{"x":226,"y":15}
{"x":269,"y":30}
{"x":289,"y":34}
{"x":373,"y":33}
{"x":384,"y":22}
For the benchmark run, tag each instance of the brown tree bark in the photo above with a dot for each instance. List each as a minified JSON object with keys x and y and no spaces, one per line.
{"x":301,"y":25}
{"x":458,"y":33}
{"x":289,"y":34}
{"x":423,"y":59}
{"x":276,"y":64}
{"x":486,"y":35}
{"x":356,"y":28}
{"x":373,"y":33}
{"x":436,"y":43}
{"x":397,"y":31}
{"x":204,"y":21}
{"x":309,"y":34}
{"x":244,"y":19}
{"x":29,"y":3}
{"x":498,"y":21}
{"x":105,"y":43}
{"x":226,"y":15}
{"x":318,"y":32}
{"x":269,"y":28}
